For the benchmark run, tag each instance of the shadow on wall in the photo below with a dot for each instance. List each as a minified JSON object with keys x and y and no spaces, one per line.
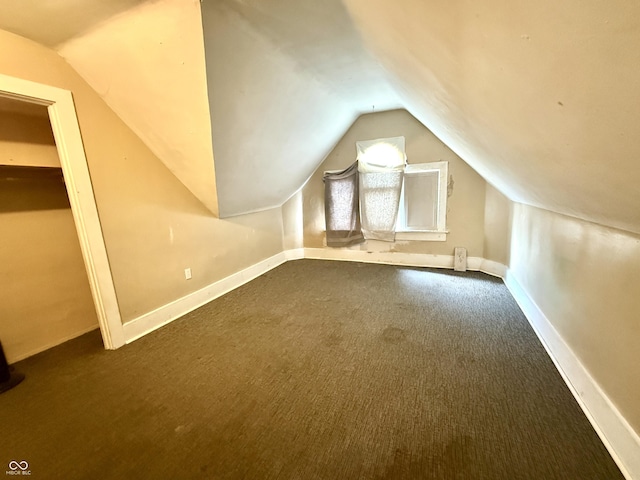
{"x":45,"y":186}
{"x":38,"y":129}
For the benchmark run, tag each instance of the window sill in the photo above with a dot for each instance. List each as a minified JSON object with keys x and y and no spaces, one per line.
{"x":422,"y":236}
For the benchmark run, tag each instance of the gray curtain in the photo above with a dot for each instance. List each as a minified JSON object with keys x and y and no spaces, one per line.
{"x":341,"y":207}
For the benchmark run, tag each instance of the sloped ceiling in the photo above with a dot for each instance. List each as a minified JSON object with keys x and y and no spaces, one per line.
{"x":541,"y":98}
{"x":54,"y":22}
{"x":286,"y":79}
{"x":146,"y":60}
{"x":148,"y":65}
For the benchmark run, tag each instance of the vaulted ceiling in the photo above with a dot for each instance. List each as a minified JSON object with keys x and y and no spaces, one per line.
{"x":286,"y":80}
{"x":52,"y":23}
{"x":539,"y":97}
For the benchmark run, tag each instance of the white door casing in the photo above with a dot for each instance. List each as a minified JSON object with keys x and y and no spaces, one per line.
{"x":66,"y":131}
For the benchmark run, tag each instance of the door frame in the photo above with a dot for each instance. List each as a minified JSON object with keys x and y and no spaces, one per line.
{"x":66,"y":131}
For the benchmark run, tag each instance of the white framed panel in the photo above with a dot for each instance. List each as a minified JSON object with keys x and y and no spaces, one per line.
{"x":423,"y":204}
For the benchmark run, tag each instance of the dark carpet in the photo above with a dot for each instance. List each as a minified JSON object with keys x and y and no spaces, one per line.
{"x":315,"y":370}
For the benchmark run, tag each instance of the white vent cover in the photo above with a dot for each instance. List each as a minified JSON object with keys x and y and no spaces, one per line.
{"x":460,"y":259}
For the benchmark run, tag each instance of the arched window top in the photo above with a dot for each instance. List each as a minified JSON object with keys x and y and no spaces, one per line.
{"x":381,"y":154}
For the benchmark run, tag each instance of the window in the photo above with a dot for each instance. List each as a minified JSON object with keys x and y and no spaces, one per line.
{"x":423,"y":202}
{"x":387,"y":200}
{"x":380,"y":167}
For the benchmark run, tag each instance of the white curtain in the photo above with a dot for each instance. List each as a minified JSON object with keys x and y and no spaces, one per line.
{"x":380,"y":167}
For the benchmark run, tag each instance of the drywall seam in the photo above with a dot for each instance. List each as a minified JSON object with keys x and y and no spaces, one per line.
{"x":615,"y":432}
{"x":159,"y":317}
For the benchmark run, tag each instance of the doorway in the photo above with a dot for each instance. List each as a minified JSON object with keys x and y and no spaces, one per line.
{"x":66,"y":131}
{"x":45,"y":295}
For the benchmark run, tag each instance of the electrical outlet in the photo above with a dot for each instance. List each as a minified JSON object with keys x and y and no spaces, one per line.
{"x":187,"y":273}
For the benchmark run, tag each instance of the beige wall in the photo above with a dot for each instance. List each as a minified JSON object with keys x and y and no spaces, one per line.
{"x":27,"y":140}
{"x":292,"y":222}
{"x":465,"y":207}
{"x":45,"y":293}
{"x":585,"y":278}
{"x":153,"y":226}
{"x":497,"y":226}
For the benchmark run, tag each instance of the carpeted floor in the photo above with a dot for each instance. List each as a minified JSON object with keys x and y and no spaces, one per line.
{"x":316,"y":370}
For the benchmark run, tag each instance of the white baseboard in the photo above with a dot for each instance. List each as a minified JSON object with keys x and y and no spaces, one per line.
{"x":294,"y":254}
{"x":405,"y":259}
{"x":391,"y":258}
{"x":615,"y":432}
{"x":155,"y":319}
{"x":493,"y":268}
{"x":159,"y":317}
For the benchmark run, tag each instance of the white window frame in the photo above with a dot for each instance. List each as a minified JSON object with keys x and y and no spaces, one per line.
{"x":440,"y":234}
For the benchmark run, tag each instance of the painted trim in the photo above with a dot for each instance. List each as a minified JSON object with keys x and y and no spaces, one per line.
{"x":418,"y":236}
{"x":407,"y":259}
{"x":442,"y":167}
{"x":294,"y":254}
{"x":66,"y":131}
{"x":493,"y":268}
{"x":159,"y":317}
{"x":615,"y":432}
{"x":391,"y":258}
